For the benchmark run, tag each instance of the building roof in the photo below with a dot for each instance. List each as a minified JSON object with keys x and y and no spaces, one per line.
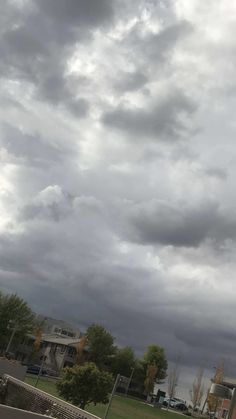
{"x":60,"y":340}
{"x":229,"y":382}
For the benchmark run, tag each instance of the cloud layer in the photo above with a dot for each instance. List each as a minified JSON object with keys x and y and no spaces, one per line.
{"x":117,"y":153}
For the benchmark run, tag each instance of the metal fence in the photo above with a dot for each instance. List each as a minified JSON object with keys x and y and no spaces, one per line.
{"x":23,"y":396}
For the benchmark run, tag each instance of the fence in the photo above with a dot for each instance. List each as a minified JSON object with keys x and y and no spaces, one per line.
{"x":23,"y":396}
{"x":7,"y":412}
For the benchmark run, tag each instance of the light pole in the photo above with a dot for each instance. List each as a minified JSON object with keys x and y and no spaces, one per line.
{"x":129,"y":382}
{"x":112,"y":394}
{"x":11,"y":337}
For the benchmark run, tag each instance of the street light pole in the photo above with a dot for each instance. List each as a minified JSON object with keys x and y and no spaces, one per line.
{"x":112,"y":395}
{"x":41,"y":368}
{"x":129,"y":382}
{"x":11,"y":339}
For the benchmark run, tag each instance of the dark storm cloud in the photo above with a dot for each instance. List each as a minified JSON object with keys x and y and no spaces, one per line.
{"x":164,"y":121}
{"x":136,"y":235}
{"x":37,"y":43}
{"x":160,"y":222}
{"x":78,"y":12}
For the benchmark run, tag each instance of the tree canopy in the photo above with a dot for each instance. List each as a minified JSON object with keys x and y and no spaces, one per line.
{"x":100,"y":345}
{"x":123,"y":361}
{"x":155,"y":355}
{"x":14,"y":314}
{"x":84,"y":384}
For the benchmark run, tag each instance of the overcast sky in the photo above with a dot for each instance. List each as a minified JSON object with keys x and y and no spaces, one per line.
{"x":118,"y":166}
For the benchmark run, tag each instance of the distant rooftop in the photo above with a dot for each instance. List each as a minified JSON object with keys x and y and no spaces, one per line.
{"x":60,"y":340}
{"x":229,"y":382}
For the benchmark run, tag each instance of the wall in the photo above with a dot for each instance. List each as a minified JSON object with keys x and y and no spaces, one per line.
{"x":14,"y":369}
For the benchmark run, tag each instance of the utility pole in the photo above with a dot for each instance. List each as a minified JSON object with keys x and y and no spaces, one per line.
{"x":112,"y":395}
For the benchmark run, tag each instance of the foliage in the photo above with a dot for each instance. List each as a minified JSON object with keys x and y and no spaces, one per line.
{"x":197,"y":390}
{"x":100,"y":345}
{"x":80,"y":349}
{"x":155,"y":355}
{"x":84,"y":384}
{"x":151,"y":373}
{"x":38,"y":331}
{"x":14,"y":313}
{"x":123,"y":361}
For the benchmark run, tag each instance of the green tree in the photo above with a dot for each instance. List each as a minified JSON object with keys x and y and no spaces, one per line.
{"x":100,"y":345}
{"x":15,"y":314}
{"x":123,"y":361}
{"x":84,"y":384}
{"x":155,"y":355}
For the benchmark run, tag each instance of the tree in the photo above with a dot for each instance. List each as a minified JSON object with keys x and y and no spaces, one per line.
{"x":173,"y":378}
{"x":154,"y":360}
{"x":197,"y":390}
{"x":150,"y":378}
{"x":213,"y":402}
{"x":100,"y":345}
{"x":155,"y":355}
{"x":16,"y":318}
{"x":80,"y":349}
{"x":84,"y":384}
{"x":123,"y":361}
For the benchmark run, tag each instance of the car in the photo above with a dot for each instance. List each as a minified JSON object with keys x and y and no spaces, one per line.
{"x":35,"y":369}
{"x":169,"y":402}
{"x":181,"y":406}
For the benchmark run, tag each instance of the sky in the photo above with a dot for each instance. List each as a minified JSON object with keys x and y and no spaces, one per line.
{"x":118,"y":166}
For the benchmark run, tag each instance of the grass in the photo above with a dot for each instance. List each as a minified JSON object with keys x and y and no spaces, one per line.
{"x":46,"y":384}
{"x":122,"y":407}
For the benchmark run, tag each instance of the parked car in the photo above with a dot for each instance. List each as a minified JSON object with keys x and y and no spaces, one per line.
{"x":169,"y":402}
{"x":181,"y":406}
{"x":35,"y":369}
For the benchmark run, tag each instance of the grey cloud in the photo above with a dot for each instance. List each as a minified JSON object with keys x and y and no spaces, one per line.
{"x":86,"y":13}
{"x":217,"y":172}
{"x":82,"y":236}
{"x":160,"y":222}
{"x":35,"y":47}
{"x":33,"y":149}
{"x":129,"y":82}
{"x":78,"y":107}
{"x":164,"y":41}
{"x":157,"y":47}
{"x":164,"y":121}
{"x":52,"y":203}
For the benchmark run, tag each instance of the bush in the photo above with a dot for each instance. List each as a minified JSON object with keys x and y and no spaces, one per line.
{"x":84,"y":384}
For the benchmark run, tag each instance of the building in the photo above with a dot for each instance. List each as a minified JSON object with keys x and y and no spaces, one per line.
{"x":225,"y":404}
{"x":57,"y":346}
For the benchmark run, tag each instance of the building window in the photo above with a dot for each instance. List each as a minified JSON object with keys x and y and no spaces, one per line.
{"x":71,"y":352}
{"x":63,"y":349}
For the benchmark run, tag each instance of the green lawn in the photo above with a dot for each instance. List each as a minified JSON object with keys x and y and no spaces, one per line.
{"x":122,"y":407}
{"x":45,"y":384}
